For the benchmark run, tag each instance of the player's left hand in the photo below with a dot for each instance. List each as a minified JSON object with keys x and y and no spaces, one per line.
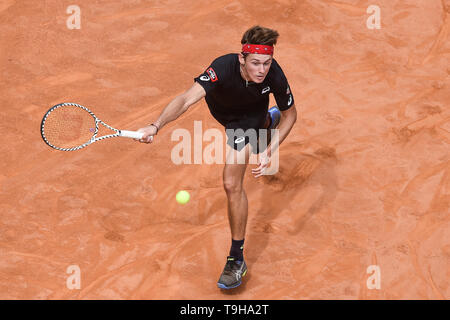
{"x":264,"y":161}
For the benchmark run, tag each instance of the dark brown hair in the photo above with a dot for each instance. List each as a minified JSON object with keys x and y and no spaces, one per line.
{"x":260,"y":35}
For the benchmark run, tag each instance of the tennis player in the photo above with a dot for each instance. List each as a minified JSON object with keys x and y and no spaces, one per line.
{"x":236,"y":88}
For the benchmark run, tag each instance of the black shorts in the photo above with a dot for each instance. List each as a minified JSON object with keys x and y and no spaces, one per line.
{"x":244,"y":128}
{"x":239,"y":135}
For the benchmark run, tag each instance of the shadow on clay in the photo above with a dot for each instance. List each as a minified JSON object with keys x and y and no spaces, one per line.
{"x":295,"y":174}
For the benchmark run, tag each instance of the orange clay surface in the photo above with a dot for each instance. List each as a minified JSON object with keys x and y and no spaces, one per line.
{"x":364,"y":175}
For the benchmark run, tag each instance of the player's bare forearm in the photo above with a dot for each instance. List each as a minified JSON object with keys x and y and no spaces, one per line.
{"x":172,"y":111}
{"x":288,"y":119}
{"x":180,"y":104}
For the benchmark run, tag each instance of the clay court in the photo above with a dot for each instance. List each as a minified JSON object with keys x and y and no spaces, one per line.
{"x":364,"y":177}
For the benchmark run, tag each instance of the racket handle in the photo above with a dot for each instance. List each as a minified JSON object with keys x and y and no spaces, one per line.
{"x":131,"y":134}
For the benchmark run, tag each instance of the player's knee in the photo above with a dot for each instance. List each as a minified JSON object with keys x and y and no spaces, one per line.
{"x":232,"y":186}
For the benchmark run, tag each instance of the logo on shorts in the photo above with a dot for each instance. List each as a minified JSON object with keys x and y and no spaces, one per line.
{"x":212,"y":74}
{"x":266,"y":89}
{"x":239,"y":140}
{"x":290,"y":100}
{"x":205,"y":78}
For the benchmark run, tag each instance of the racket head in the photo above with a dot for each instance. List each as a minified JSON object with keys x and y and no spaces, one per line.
{"x":69,"y":126}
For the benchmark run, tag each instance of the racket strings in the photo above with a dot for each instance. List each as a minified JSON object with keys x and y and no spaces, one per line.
{"x":69,"y":127}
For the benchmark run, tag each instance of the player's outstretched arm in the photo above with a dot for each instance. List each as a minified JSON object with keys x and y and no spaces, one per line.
{"x":173,"y":110}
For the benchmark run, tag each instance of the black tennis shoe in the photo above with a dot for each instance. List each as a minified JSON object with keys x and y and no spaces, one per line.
{"x":232,"y":274}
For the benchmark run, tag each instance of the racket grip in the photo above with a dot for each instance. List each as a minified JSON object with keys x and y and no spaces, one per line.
{"x":131,"y":134}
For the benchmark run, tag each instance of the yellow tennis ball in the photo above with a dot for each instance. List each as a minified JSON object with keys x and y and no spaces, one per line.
{"x":183,"y":197}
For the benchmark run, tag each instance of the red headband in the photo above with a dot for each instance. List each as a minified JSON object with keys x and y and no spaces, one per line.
{"x":257,"y":48}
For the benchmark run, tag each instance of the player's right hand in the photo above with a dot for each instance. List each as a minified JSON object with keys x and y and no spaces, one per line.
{"x":149,"y":132}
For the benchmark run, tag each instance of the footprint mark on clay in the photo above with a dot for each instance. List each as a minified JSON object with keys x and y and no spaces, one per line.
{"x":114,"y":236}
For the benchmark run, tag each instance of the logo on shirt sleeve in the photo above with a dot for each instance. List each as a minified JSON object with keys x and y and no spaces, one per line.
{"x":266,"y":89}
{"x":205,"y":78}
{"x":212,"y":74}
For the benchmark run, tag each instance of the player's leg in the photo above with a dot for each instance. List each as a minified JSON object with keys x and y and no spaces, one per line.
{"x":237,"y":204}
{"x":233,"y":179}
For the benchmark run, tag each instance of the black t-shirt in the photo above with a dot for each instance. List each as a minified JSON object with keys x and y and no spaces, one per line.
{"x":229,"y":100}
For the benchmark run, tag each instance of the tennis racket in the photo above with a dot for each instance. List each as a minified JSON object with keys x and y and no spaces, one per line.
{"x":70,"y":127}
